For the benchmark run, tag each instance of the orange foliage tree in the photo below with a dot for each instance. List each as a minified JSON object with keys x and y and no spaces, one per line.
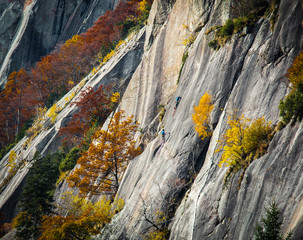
{"x":100,"y":168}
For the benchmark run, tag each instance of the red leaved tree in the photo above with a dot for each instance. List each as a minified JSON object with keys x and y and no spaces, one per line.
{"x":94,"y":107}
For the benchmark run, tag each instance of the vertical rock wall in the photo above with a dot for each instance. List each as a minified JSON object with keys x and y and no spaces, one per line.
{"x":246,"y":74}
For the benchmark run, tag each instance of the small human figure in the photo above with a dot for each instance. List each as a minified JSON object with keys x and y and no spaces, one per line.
{"x":163,"y":133}
{"x":177,"y":101}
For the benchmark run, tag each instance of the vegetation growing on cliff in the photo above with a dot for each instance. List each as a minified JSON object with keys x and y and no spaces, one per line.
{"x":37,"y":196}
{"x":245,"y":13}
{"x":94,"y":107}
{"x":77,"y":218}
{"x":291,"y":108}
{"x":270,"y":226}
{"x":201,"y":116}
{"x":244,"y":141}
{"x":102,"y":165}
{"x":100,"y":171}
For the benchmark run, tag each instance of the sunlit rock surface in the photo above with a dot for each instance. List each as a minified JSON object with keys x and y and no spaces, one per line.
{"x":246,"y":74}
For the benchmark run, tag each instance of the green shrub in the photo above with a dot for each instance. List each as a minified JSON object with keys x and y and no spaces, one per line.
{"x":246,"y":13}
{"x":228,"y":28}
{"x":5,"y":150}
{"x":213,"y":44}
{"x":292,"y":107}
{"x":70,"y":160}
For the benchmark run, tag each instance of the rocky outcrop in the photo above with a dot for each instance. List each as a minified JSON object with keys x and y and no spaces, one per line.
{"x":31,"y":32}
{"x":10,"y":14}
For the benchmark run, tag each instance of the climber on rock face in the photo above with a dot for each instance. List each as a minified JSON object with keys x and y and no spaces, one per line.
{"x":163,"y":133}
{"x":177,"y":103}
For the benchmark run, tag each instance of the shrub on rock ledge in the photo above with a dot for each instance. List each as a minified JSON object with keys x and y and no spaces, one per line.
{"x":242,"y":142}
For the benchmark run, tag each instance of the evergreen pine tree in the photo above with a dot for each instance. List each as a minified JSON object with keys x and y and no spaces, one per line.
{"x":37,"y":196}
{"x":270,"y":227}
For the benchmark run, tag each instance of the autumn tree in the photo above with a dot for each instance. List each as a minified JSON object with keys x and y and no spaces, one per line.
{"x":15,"y":106}
{"x":93,"y":108}
{"x":59,"y":71}
{"x":101,"y":167}
{"x":201,"y":116}
{"x":243,"y":141}
{"x":78,"y":219}
{"x":12,"y":161}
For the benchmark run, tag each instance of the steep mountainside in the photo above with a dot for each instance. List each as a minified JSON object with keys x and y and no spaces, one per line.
{"x":181,"y":178}
{"x":27,"y":33}
{"x":117,"y":71}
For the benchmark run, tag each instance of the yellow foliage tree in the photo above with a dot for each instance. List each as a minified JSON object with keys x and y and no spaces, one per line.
{"x":201,"y":116}
{"x":109,"y":56}
{"x":101,"y":166}
{"x":53,"y":113}
{"x":115,"y":97}
{"x":12,"y":161}
{"x":144,"y":7}
{"x":38,"y":123}
{"x":157,"y":235}
{"x":243,"y":138}
{"x":78,"y":218}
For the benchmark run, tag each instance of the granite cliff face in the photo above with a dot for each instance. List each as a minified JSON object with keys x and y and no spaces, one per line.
{"x":247,"y":74}
{"x":27,"y":33}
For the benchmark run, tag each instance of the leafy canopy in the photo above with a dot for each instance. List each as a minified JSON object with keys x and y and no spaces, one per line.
{"x":58,"y":72}
{"x":78,"y":218}
{"x":201,"y":116}
{"x":101,"y":166}
{"x":243,"y":137}
{"x":93,"y":109}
